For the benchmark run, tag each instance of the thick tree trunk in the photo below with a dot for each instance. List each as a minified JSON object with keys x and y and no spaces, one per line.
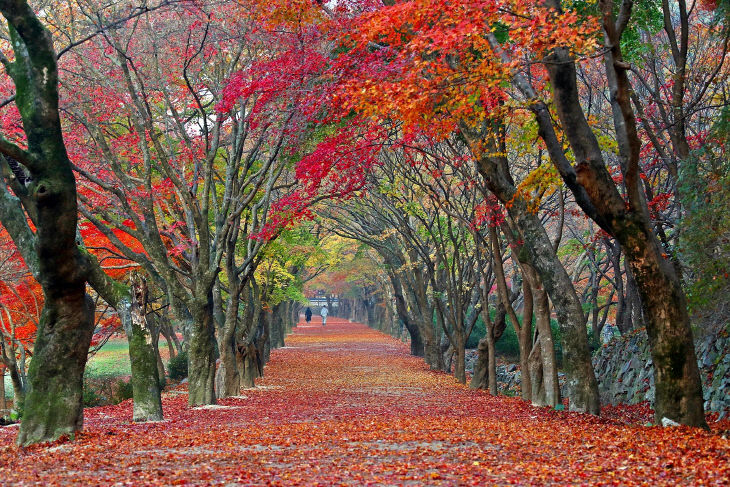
{"x":228,"y":378}
{"x":535,"y":371}
{"x":678,"y":384}
{"x":460,"y":355}
{"x":54,"y":402}
{"x":432,"y":352}
{"x":201,"y":354}
{"x":676,"y":375}
{"x":250,"y":362}
{"x":277,"y":325}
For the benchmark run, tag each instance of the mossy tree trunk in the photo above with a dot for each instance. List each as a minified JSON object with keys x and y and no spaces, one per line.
{"x":142,"y":356}
{"x":53,"y":404}
{"x":202,"y":353}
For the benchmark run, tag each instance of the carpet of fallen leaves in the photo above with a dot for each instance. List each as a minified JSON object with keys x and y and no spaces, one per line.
{"x":346,"y":405}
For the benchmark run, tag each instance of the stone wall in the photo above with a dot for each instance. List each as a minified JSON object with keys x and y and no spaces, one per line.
{"x":625,"y":371}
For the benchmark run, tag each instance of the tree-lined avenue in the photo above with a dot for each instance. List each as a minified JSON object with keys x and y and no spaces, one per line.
{"x":346,"y":405}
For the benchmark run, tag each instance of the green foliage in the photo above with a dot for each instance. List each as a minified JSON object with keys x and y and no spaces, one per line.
{"x":704,"y":189}
{"x":646,"y":17}
{"x":124,"y":390}
{"x":111,"y":361}
{"x":177,"y":368}
{"x":508,"y":344}
{"x":106,"y":391}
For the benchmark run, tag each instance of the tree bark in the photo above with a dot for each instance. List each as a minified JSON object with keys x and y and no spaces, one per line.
{"x":201,"y":353}
{"x":142,"y":356}
{"x":54,"y":402}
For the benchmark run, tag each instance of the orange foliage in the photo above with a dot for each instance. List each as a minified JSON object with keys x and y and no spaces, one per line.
{"x":344,"y":404}
{"x":21,"y":297}
{"x":110,"y":258}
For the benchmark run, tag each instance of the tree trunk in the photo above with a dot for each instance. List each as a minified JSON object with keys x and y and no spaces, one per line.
{"x":524,"y":337}
{"x":480,"y":378}
{"x":142,"y":355}
{"x":581,"y":380}
{"x":460,"y":352}
{"x":676,"y":375}
{"x":53,"y":405}
{"x":168,"y":339}
{"x":54,"y":401}
{"x":677,"y":379}
{"x":3,"y":400}
{"x":250,"y":362}
{"x":227,"y":377}
{"x":201,"y":354}
{"x":549,"y":387}
{"x":535,"y":371}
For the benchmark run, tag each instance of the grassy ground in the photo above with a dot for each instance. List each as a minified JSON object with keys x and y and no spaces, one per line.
{"x":109,"y":362}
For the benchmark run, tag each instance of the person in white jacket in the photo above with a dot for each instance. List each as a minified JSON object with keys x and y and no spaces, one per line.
{"x":324,"y":312}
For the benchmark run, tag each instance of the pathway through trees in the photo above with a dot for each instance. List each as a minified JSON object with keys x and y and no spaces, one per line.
{"x":344,"y":404}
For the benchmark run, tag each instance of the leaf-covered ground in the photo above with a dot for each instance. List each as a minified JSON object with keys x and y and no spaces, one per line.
{"x":346,"y":405}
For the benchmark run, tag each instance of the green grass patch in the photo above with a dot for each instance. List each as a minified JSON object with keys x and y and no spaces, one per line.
{"x":111,"y":361}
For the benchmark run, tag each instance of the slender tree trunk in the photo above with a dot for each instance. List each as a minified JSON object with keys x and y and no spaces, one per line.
{"x":524,"y":336}
{"x":142,"y":355}
{"x":550,"y":388}
{"x":3,"y":399}
{"x":460,"y":352}
{"x":417,"y":345}
{"x":539,"y":252}
{"x":168,"y":339}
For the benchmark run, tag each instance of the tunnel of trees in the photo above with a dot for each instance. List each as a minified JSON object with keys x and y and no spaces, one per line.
{"x":449,"y":173}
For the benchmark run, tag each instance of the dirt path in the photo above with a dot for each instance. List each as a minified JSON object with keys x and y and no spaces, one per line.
{"x":345,"y":405}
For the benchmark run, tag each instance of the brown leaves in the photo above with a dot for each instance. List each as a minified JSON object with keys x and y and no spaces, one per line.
{"x":346,"y":405}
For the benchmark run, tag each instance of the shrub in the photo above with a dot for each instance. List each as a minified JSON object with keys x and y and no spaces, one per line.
{"x":177,"y":368}
{"x":90,"y":395}
{"x":123,"y":391}
{"x":508,"y":345}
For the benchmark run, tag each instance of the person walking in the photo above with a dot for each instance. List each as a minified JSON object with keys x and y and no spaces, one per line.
{"x":308,"y":314}
{"x":324,"y":312}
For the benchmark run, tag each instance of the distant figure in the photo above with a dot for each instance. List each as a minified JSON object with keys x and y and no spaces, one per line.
{"x":324,"y":314}
{"x":308,"y":315}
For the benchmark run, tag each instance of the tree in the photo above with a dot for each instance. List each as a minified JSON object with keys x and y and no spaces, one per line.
{"x":54,"y":400}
